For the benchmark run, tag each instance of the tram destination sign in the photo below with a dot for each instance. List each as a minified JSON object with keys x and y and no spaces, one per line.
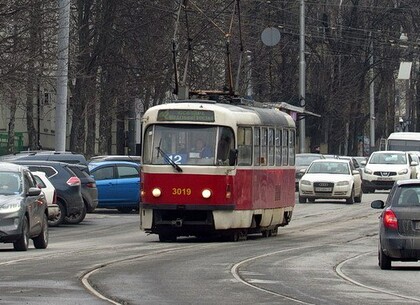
{"x":185,"y":115}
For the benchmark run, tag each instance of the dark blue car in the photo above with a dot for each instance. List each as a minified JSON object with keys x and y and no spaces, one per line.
{"x":118,"y":184}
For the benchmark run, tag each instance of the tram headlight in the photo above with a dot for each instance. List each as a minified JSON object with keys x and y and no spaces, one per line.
{"x":156,"y":192}
{"x":206,"y":193}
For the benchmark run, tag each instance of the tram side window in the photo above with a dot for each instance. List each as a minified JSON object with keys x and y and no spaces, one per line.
{"x":147,"y":146}
{"x":292,"y":140}
{"x":256,"y":146}
{"x":244,"y":146}
{"x":284,"y":150}
{"x":225,"y":145}
{"x":278,"y":146}
{"x":271,"y":145}
{"x":264,"y":143}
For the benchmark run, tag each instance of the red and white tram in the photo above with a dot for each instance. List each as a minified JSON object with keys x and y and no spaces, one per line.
{"x":216,"y":168}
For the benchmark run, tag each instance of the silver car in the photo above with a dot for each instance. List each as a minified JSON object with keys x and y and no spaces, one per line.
{"x":23,"y":208}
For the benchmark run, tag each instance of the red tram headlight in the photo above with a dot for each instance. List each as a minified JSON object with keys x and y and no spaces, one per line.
{"x":156,"y":192}
{"x":206,"y":193}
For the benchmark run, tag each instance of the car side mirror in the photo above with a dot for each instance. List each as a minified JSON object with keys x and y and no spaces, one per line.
{"x":414,"y":163}
{"x":363,"y":162}
{"x":377,"y":204}
{"x":355,"y":172}
{"x":33,"y":191}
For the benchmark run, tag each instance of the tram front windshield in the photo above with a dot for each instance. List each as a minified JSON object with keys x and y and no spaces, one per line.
{"x":187,"y":144}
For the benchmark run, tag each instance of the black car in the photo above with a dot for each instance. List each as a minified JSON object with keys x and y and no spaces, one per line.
{"x":23,"y":208}
{"x":47,"y":155}
{"x":89,"y":189}
{"x":399,"y":226}
{"x":67,"y":186}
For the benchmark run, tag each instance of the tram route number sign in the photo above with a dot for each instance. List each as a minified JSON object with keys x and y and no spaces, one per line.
{"x":185,"y":115}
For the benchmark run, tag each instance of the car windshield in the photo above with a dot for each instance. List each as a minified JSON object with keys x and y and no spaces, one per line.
{"x":10,"y":183}
{"x":305,"y":160}
{"x":388,"y":158}
{"x":329,"y":168}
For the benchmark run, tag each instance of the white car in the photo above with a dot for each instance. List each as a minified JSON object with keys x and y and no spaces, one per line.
{"x":50,"y":195}
{"x":383,"y":168}
{"x":331,"y":179}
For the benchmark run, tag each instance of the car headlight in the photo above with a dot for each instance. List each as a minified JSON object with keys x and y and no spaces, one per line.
{"x":403,"y":171}
{"x":305,"y":182}
{"x":10,"y":207}
{"x":342,"y":183}
{"x":368,"y":171}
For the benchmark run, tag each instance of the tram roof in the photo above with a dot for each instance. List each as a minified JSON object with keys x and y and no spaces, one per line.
{"x":239,"y":113}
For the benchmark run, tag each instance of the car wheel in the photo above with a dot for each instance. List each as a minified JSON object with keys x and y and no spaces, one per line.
{"x":41,"y":241}
{"x":350,"y":200}
{"x":302,"y":199}
{"x":312,"y":200}
{"x":22,"y":243}
{"x":384,"y":260}
{"x":76,"y":218}
{"x":58,"y":220}
{"x":167,"y":237}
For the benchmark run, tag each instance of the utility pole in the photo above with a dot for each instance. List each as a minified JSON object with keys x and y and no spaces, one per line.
{"x":62,"y":75}
{"x":371,"y":98}
{"x":302,"y":81}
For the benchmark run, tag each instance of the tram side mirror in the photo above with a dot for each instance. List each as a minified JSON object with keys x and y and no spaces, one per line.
{"x":233,"y":156}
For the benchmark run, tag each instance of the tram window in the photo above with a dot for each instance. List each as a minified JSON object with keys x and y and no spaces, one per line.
{"x":271,"y":145}
{"x":256,"y":146}
{"x":278,"y":146}
{"x":284,"y":150}
{"x":225,"y":145}
{"x":244,"y":146}
{"x":292,"y":139}
{"x":264,"y":143}
{"x":147,"y":145}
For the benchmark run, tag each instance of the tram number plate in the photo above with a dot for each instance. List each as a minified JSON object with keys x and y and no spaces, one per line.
{"x":323,"y":189}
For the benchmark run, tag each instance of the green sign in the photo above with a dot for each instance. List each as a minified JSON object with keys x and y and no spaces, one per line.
{"x":185,"y":115}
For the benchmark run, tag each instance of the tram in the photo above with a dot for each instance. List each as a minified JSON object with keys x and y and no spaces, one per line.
{"x":211,"y":168}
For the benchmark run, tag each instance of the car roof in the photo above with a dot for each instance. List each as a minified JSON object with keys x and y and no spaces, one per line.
{"x":407,"y":182}
{"x":346,"y":161}
{"x":39,"y":162}
{"x":115,"y":158}
{"x":100,"y":163}
{"x":60,"y":156}
{"x":10,"y":167}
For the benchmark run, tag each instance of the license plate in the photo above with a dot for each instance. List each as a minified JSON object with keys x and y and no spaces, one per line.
{"x":323,"y":189}
{"x":384,"y":179}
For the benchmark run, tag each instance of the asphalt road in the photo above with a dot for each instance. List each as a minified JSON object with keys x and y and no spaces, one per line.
{"x":327,"y":255}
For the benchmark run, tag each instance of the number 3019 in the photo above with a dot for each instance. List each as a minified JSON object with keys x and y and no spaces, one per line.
{"x":181,"y":191}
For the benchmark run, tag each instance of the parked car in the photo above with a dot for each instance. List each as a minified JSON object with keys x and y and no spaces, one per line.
{"x":385,"y":167}
{"x":361,"y":160}
{"x":23,"y":208}
{"x":331,"y":179}
{"x":47,"y":155}
{"x":48,"y":189}
{"x":67,"y":185}
{"x":301,"y":164}
{"x":354,"y":162}
{"x":88,"y":183}
{"x":118,"y":184}
{"x":415,"y":156}
{"x":399,"y":224}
